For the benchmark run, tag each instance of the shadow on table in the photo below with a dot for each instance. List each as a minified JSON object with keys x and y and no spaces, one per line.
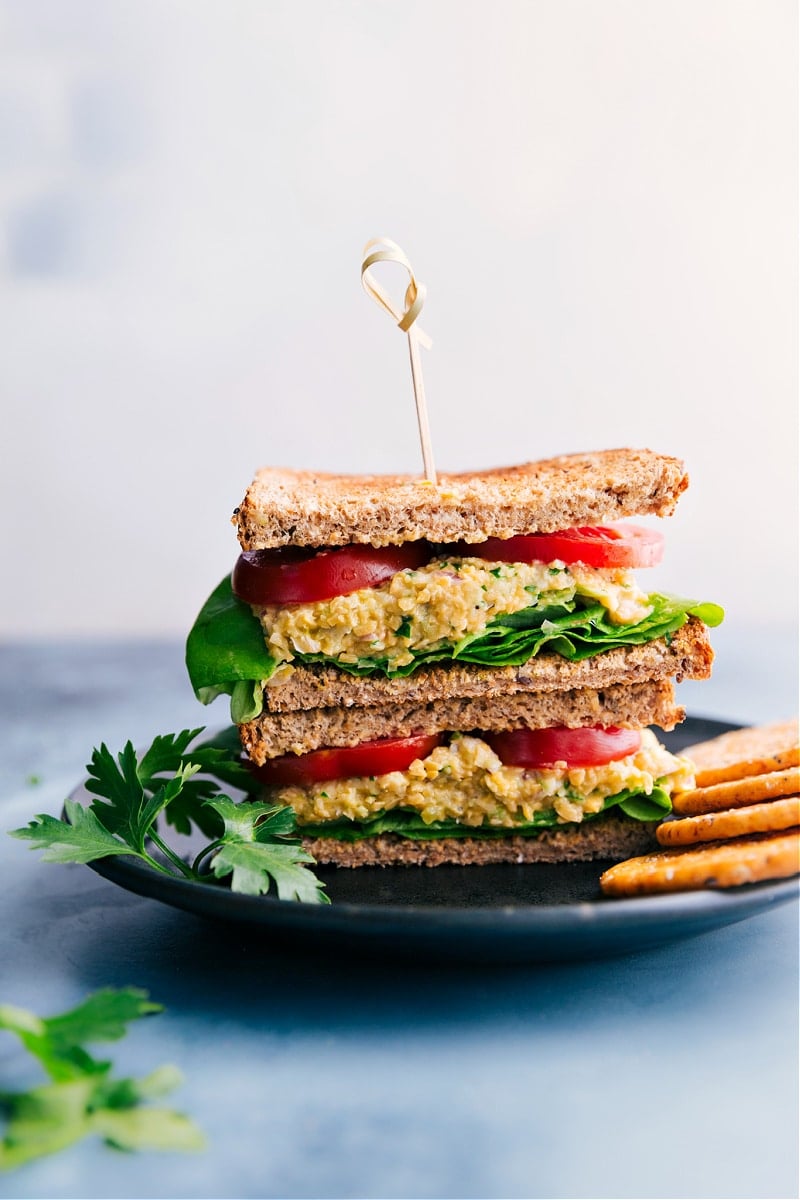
{"x":254,"y":978}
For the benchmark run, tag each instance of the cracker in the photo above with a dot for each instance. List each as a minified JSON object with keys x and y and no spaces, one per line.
{"x":738,"y":792}
{"x":718,"y":864}
{"x":743,"y":752}
{"x":735,"y":822}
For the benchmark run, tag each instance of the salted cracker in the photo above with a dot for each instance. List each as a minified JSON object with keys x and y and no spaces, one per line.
{"x":738,"y":792}
{"x":734,"y":822}
{"x":718,"y":864}
{"x":755,"y":750}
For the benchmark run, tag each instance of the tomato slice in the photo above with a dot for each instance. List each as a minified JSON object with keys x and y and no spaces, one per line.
{"x":295,"y":575}
{"x":590,"y":747}
{"x":593,"y":545}
{"x":378,"y":757}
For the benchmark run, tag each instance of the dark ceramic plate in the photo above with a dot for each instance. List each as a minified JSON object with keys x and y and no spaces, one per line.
{"x":503,"y":913}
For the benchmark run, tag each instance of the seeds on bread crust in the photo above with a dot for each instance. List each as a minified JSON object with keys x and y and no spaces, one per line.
{"x":738,"y":792}
{"x":718,"y":864}
{"x":744,"y":752}
{"x":735,"y":822}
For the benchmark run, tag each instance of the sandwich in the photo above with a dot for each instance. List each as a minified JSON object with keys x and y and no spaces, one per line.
{"x":464,"y":672}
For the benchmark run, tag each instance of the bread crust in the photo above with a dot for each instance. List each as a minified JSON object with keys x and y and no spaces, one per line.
{"x":687,"y":655}
{"x":606,"y":838}
{"x":628,"y":705}
{"x":284,"y":507}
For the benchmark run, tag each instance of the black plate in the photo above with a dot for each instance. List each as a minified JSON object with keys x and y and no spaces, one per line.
{"x":500,"y":913}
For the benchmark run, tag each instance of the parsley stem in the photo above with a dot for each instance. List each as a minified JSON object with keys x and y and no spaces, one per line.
{"x":183,"y":867}
{"x":209,"y":849}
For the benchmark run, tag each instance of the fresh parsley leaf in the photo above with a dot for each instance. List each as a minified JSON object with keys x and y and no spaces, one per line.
{"x":83,"y":1098}
{"x":44,"y":1120}
{"x":148,"y":1128}
{"x":131,"y":794}
{"x":130,"y":787}
{"x":166,"y":753}
{"x":254,"y":866}
{"x":253,"y":821}
{"x":81,"y":838}
{"x":57,"y":1042}
{"x":255,"y":851}
{"x":131,"y":809}
{"x":221,"y":756}
{"x":102,"y":1017}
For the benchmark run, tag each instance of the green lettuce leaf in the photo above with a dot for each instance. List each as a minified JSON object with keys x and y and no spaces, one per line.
{"x":580,"y":633}
{"x":226,"y":652}
{"x":225,"y":645}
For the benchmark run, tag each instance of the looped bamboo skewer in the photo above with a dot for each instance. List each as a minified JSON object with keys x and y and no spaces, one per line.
{"x":385,"y":250}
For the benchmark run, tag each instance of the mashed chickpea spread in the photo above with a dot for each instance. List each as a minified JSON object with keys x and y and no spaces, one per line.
{"x":438,"y":605}
{"x":465,"y":781}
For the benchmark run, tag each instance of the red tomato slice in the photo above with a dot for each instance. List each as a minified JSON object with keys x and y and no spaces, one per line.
{"x":346,"y":762}
{"x":593,"y":545}
{"x":591,"y":747}
{"x":295,"y":575}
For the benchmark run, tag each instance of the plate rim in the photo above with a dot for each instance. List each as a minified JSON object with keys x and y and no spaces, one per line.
{"x":704,"y":900}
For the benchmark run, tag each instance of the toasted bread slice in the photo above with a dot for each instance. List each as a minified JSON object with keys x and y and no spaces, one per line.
{"x":306,"y":508}
{"x":687,"y":655}
{"x":628,"y":705}
{"x":609,"y":838}
{"x":756,"y":750}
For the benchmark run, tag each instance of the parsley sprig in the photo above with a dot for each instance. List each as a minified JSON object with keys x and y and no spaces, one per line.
{"x":82,"y":1097}
{"x":250,"y":842}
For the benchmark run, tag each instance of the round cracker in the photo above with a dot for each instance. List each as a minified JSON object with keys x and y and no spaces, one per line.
{"x":742,"y":752}
{"x":735,"y":822}
{"x":718,"y":864}
{"x":738,"y":792}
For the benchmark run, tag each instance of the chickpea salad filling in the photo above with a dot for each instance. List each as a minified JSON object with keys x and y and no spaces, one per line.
{"x":438,"y":606}
{"x":464,"y":789}
{"x":421,"y":611}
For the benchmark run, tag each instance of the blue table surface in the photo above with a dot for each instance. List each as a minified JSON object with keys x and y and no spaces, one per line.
{"x":667,"y":1073}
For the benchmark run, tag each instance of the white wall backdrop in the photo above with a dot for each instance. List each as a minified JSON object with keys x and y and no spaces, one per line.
{"x":601,"y":196}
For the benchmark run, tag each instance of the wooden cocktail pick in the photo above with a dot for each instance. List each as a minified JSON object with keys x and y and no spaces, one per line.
{"x":384,"y":250}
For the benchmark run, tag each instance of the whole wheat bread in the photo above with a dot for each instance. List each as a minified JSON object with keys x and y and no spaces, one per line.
{"x":305,"y":508}
{"x":628,"y":705}
{"x":609,"y":837}
{"x":687,"y":655}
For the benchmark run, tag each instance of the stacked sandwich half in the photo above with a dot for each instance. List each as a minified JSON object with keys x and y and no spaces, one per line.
{"x":462,"y":673}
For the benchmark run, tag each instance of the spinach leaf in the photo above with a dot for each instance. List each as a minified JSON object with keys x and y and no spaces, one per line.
{"x":226,"y":651}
